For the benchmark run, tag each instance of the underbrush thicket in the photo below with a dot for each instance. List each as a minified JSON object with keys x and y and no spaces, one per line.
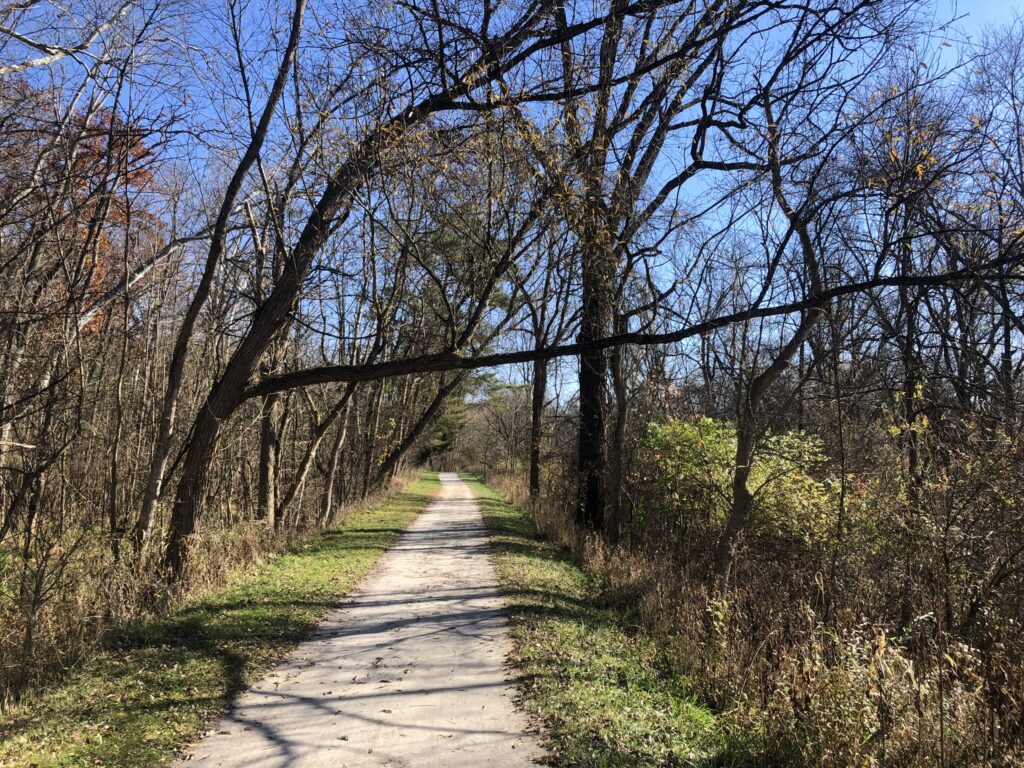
{"x":867,"y":623}
{"x":64,"y":591}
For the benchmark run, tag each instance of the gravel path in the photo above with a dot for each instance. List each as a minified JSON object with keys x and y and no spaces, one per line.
{"x":409,"y":673}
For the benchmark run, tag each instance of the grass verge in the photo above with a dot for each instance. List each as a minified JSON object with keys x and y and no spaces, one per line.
{"x":160,"y":683}
{"x":605,"y":693}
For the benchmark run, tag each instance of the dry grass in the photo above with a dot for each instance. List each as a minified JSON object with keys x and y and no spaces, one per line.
{"x":85,"y":592}
{"x":794,"y":690}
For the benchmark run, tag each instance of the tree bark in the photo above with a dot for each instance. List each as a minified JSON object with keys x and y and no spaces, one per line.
{"x":594,"y":324}
{"x":266,"y":505}
{"x":539,"y":394}
{"x":327,"y":500}
{"x":616,"y":512}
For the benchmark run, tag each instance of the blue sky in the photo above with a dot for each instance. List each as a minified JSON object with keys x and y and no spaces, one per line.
{"x":979,"y":14}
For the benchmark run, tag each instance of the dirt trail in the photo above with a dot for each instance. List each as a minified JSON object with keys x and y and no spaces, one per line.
{"x":409,"y":673}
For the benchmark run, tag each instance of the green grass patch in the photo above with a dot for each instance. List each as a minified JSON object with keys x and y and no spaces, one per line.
{"x":159,"y":684}
{"x":605,"y":693}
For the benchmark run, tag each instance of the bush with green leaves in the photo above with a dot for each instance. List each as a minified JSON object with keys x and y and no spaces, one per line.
{"x":685,"y":480}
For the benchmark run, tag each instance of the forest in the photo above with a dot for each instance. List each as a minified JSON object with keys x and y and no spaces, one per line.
{"x":726,"y":295}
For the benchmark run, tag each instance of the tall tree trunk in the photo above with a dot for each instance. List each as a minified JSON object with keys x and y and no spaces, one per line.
{"x":266,"y":504}
{"x":327,"y":499}
{"x":616,"y":510}
{"x":539,"y":394}
{"x":595,"y":317}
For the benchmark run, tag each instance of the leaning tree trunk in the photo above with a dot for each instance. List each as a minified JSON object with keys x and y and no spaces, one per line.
{"x":748,"y":417}
{"x":218,"y":246}
{"x":227,"y":394}
{"x":390,"y":462}
{"x":748,"y":430}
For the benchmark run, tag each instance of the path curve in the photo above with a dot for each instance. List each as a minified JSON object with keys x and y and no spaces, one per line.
{"x":410,"y":672}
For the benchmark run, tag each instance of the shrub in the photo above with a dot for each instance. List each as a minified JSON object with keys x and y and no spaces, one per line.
{"x":685,"y":481}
